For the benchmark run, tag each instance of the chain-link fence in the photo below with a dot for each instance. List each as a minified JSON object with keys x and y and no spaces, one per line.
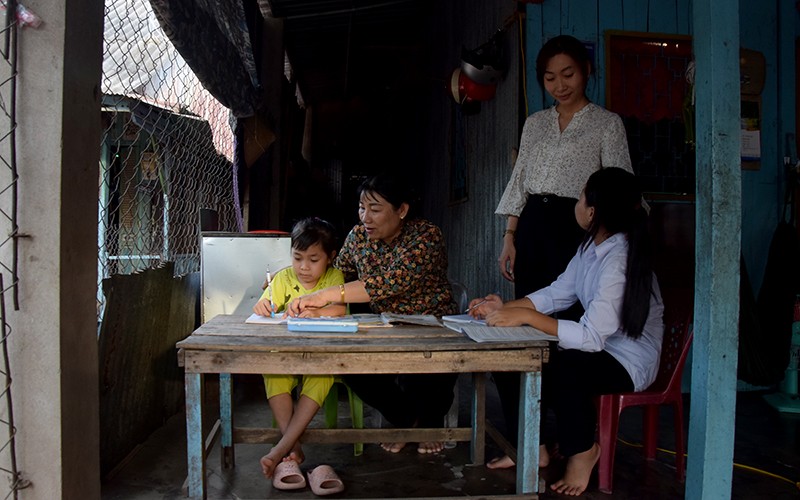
{"x":166,"y":151}
{"x":10,"y":232}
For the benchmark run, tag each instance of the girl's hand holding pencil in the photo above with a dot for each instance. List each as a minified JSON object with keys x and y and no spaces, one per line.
{"x":263,"y":308}
{"x":266,"y":306}
{"x":479,"y":308}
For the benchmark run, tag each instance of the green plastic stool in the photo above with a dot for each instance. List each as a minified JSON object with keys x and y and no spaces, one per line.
{"x":331,"y":407}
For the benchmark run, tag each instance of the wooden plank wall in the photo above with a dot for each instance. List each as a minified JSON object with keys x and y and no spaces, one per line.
{"x":141,"y":384}
{"x":472,"y":230}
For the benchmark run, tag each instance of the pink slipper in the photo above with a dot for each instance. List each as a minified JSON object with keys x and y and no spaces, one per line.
{"x":288,"y":476}
{"x":324,"y":481}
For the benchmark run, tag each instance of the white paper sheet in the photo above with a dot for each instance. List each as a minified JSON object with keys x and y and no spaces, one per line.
{"x":463,"y":318}
{"x":480,"y":333}
{"x":254,"y":318}
{"x":411,"y":319}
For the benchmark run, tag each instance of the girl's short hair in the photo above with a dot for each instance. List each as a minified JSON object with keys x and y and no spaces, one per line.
{"x":313,"y":230}
{"x":394,"y":188}
{"x":562,"y":44}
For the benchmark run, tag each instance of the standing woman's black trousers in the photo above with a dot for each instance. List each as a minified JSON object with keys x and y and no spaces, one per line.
{"x":547,"y":238}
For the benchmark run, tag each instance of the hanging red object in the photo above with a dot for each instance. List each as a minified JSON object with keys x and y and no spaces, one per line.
{"x":463,"y":89}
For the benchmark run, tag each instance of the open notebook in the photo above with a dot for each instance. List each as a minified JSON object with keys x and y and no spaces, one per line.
{"x":278,"y":319}
{"x":477,"y":330}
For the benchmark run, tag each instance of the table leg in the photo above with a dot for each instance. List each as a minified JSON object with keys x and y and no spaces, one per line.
{"x":478,"y":442}
{"x":226,"y":421}
{"x":528,"y":440}
{"x":195,"y":449}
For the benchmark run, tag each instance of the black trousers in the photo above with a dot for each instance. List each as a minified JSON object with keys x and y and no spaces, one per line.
{"x":547,"y":238}
{"x":576,"y":379}
{"x":412,"y":400}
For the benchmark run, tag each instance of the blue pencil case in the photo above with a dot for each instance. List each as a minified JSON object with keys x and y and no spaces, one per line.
{"x":321,"y":325}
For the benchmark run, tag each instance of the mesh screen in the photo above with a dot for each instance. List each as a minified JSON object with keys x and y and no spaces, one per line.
{"x":12,"y":478}
{"x":166,"y":151}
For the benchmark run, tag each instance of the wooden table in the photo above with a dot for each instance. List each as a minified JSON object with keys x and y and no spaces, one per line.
{"x":226,"y":345}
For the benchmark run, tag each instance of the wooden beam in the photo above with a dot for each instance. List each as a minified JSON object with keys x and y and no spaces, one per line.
{"x":261,"y":435}
{"x":320,"y":363}
{"x":718,"y":235}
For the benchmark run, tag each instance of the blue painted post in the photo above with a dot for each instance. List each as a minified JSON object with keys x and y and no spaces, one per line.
{"x":195,"y":450}
{"x":226,"y":420}
{"x":478,"y":441}
{"x":718,"y":233}
{"x":528,"y":436}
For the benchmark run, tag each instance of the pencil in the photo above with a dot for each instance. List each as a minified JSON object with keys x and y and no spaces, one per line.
{"x":269,"y":287}
{"x":480,"y":303}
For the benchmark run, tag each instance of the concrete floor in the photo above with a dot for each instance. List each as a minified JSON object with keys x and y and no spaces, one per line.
{"x":765,"y":440}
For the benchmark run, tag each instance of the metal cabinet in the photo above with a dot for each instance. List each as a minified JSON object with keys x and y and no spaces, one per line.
{"x":233,"y":267}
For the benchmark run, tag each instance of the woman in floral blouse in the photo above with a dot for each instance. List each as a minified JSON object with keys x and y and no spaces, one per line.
{"x":397,"y":263}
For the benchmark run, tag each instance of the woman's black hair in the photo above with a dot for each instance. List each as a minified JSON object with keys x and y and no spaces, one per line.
{"x":562,"y":44}
{"x":617,"y":201}
{"x":394,"y":188}
{"x":313,"y":230}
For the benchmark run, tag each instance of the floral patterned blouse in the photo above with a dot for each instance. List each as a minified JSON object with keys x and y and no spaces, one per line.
{"x":406,"y":276}
{"x":554,"y":162}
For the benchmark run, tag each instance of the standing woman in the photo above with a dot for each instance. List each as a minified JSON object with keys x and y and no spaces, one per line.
{"x":560,"y":148}
{"x":396,"y":262}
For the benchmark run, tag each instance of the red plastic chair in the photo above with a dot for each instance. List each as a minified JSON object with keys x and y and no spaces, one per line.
{"x":665,"y":390}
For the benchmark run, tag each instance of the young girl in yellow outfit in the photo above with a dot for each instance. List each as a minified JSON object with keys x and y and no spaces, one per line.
{"x":313,"y":250}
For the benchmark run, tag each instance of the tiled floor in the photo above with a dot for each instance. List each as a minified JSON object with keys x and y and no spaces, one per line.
{"x":765,"y":439}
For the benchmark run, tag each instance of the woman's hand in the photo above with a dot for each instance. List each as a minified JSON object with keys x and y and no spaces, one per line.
{"x":310,"y":312}
{"x":508,"y":316}
{"x":479,"y":308}
{"x":263,"y":307}
{"x":507,"y":257}
{"x":302,"y":307}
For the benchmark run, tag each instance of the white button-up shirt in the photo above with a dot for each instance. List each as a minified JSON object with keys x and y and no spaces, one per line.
{"x":554,"y":162}
{"x":596,"y":277}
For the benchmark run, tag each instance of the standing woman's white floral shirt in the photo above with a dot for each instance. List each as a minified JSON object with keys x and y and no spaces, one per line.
{"x":559,"y":163}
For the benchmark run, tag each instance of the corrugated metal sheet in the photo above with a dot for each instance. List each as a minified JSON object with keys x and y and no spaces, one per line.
{"x":472,"y":230}
{"x":338,"y":47}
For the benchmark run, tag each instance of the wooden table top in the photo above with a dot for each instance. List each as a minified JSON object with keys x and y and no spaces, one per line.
{"x":231,"y":333}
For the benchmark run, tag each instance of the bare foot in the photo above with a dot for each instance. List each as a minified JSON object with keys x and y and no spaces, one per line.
{"x":271,"y":460}
{"x":430,"y":447}
{"x":393,"y":447}
{"x":505,"y":461}
{"x":296,"y":454}
{"x":579,"y":470}
{"x":544,"y":456}
{"x":268,"y":465}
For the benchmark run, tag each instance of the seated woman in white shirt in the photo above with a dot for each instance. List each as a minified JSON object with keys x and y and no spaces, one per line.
{"x":615,"y":346}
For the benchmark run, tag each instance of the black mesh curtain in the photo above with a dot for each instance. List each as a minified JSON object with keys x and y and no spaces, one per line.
{"x":214,"y":39}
